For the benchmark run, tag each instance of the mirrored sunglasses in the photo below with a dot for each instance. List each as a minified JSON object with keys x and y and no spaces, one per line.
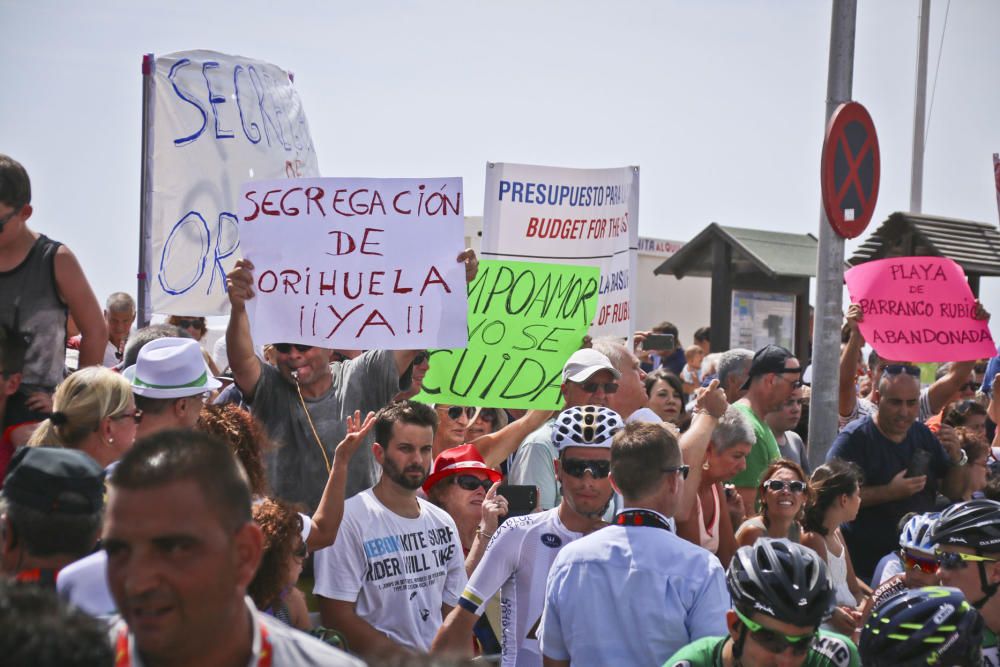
{"x":795,"y":486}
{"x":578,"y":467}
{"x":954,"y":560}
{"x":455,"y":411}
{"x":911,"y":561}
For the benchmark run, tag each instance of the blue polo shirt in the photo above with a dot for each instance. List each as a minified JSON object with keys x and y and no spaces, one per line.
{"x":875,"y":531}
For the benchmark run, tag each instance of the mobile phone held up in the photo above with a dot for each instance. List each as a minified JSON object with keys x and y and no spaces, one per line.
{"x":658,"y":342}
{"x":521,"y":498}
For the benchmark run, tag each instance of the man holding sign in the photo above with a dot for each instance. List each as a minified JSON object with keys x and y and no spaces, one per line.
{"x":304,"y":399}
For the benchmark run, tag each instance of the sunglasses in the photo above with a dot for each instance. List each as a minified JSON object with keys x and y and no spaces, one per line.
{"x":471,"y":482}
{"x":795,"y":383}
{"x":911,"y":562}
{"x":487,"y":415}
{"x":970,"y":386}
{"x":795,"y":486}
{"x":187,"y":324}
{"x":592,"y":387}
{"x":420,"y":358}
{"x":579,"y":467}
{"x":896,"y":369}
{"x":285,"y":348}
{"x":953,"y":560}
{"x":136,"y":416}
{"x":683,"y":470}
{"x":776,"y":642}
{"x":455,"y":411}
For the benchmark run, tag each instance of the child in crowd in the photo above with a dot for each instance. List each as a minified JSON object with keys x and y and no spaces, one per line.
{"x":691,"y":375}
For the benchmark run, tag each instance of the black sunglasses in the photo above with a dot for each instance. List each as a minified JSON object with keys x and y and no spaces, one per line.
{"x":971,"y":386}
{"x":420,"y":358}
{"x":471,"y":482}
{"x":592,"y":387}
{"x":455,"y":411}
{"x":795,"y":486}
{"x":285,"y":348}
{"x":683,"y":470}
{"x":599,"y":468}
{"x":896,"y":369}
{"x":184,"y":324}
{"x":488,"y":415}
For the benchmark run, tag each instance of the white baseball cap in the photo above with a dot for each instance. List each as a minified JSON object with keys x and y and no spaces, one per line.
{"x":170,"y":368}
{"x":584,"y":363}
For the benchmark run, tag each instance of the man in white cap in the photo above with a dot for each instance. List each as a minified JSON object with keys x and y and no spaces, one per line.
{"x":589,"y":378}
{"x":169,"y":380}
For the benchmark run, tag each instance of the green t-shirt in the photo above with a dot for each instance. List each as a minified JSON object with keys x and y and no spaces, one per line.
{"x":761,"y":454}
{"x":991,"y":650}
{"x":829,"y":650}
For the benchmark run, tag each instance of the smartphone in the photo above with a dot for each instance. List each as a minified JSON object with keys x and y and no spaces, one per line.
{"x":919,"y":463}
{"x":521,"y":498}
{"x":658,"y":342}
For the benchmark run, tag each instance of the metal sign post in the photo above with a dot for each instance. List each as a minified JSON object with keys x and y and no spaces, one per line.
{"x":823,"y":407}
{"x":145,"y":219}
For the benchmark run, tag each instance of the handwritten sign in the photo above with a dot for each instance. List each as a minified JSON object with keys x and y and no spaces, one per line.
{"x":217,"y":121}
{"x":525,"y":319}
{"x":919,"y":309}
{"x":356,"y":263}
{"x":586,"y":217}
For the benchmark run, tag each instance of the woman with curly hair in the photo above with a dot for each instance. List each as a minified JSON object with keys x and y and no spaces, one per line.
{"x":273,"y":587}
{"x":781,"y":496}
{"x":835,"y":499}
{"x":245,"y":435}
{"x":93,"y":411}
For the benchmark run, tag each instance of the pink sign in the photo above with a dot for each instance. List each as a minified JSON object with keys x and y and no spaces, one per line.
{"x":919,"y":309}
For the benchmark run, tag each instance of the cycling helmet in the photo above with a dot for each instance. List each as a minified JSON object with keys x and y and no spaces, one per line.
{"x":586,"y":426}
{"x":916,"y":533}
{"x":923,"y":626}
{"x":781,"y":579}
{"x":974,"y":524}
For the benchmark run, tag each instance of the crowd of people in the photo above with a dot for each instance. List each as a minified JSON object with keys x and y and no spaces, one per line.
{"x":286,"y":504}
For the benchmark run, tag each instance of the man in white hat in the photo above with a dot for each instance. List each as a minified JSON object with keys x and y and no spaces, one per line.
{"x":169,"y":380}
{"x":589,"y":378}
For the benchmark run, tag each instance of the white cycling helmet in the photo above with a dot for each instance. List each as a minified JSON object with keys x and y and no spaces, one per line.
{"x":586,"y":426}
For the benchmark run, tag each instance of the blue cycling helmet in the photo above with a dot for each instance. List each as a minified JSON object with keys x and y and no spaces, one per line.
{"x":916,"y":533}
{"x":923,"y":626}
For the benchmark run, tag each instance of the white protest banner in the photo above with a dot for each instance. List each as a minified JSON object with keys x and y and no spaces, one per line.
{"x":217,"y":121}
{"x":356,"y":263}
{"x":586,"y":217}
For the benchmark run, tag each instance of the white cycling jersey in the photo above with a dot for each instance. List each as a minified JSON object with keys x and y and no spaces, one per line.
{"x":517,"y":562}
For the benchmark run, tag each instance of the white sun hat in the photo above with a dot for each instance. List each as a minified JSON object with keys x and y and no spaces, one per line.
{"x":170,"y":368}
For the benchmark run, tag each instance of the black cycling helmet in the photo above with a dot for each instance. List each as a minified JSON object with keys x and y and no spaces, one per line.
{"x":974,"y":524}
{"x":923,"y":626}
{"x":783,"y":580}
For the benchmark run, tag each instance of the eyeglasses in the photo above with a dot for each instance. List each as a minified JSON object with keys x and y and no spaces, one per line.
{"x":896,"y":369}
{"x":683,"y":470}
{"x":301,"y":551}
{"x":795,"y":486}
{"x":592,"y":387}
{"x":135,"y":415}
{"x":285,"y":348}
{"x":954,"y":560}
{"x":7,"y":218}
{"x":471,"y":482}
{"x":455,"y":411}
{"x":911,"y":562}
{"x":599,"y":468}
{"x":776,"y":642}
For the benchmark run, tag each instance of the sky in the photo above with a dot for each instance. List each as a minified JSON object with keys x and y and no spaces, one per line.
{"x":720,"y":102}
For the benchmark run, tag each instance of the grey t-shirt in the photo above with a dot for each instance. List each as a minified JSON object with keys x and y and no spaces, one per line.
{"x":296,"y":469}
{"x":534,"y":464}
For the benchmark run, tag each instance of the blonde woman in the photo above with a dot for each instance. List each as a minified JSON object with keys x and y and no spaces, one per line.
{"x":92,"y":411}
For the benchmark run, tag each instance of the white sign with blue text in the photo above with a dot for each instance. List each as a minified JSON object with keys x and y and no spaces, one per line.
{"x":218,"y":121}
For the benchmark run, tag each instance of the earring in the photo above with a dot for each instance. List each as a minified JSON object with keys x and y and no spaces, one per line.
{"x":111,"y":441}
{"x":706,"y":465}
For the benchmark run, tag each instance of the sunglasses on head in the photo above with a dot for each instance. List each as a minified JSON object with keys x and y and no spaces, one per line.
{"x":285,"y":348}
{"x":471,"y":482}
{"x":954,"y":560}
{"x":599,"y":468}
{"x":455,"y":411}
{"x":592,"y":387}
{"x":896,"y":369}
{"x":795,"y":486}
{"x":683,"y":470}
{"x":926,"y":564}
{"x":776,"y":642}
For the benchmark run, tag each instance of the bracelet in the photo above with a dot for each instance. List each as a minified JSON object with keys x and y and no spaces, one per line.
{"x":705,"y":411}
{"x":480,"y":531}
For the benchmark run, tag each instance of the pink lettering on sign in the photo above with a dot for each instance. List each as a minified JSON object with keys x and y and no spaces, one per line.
{"x":919,"y":309}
